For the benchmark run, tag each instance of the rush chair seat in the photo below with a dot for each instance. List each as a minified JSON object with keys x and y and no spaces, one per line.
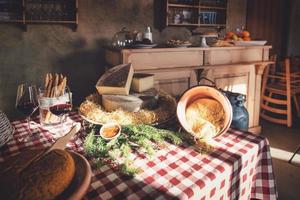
{"x":279,"y":89}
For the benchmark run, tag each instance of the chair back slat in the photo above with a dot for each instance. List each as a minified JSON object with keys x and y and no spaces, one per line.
{"x":280,"y":85}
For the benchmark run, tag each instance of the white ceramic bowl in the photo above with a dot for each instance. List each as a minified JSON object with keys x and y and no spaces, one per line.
{"x":108,"y":125}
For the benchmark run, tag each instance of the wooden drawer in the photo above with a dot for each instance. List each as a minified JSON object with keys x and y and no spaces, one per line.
{"x":159,"y":60}
{"x":218,"y":57}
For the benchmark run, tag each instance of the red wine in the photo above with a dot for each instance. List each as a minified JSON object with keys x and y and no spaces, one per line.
{"x":26,"y":108}
{"x":59,"y":109}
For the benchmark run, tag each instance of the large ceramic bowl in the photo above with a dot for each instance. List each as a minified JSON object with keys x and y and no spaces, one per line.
{"x":198,"y":92}
{"x":81,"y":180}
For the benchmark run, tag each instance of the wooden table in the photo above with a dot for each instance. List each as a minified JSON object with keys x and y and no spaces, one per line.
{"x":240,"y":167}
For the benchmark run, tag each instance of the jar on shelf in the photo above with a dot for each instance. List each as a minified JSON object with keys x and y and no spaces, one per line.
{"x":122,"y":39}
{"x":148,"y":34}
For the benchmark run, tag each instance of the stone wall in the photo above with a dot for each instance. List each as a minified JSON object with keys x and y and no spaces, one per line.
{"x":28,"y":56}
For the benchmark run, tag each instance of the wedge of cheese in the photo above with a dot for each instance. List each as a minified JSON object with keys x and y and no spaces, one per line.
{"x":116,"y":80}
{"x":142,"y":82}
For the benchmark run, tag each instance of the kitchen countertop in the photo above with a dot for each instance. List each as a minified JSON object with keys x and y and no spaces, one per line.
{"x":186,"y":48}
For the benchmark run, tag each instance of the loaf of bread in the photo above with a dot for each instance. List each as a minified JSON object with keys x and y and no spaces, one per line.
{"x":206,"y":117}
{"x":23,"y":177}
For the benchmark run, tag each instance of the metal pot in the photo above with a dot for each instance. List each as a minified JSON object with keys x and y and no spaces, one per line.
{"x":203,"y":91}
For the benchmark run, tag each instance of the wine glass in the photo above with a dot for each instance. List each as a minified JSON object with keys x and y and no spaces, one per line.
{"x":27,"y":103}
{"x":63,"y":103}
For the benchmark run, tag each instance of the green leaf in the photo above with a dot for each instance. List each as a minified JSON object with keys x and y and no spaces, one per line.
{"x":147,"y":138}
{"x":125,"y":150}
{"x":111,"y":143}
{"x":115,"y":154}
{"x":129,"y":169}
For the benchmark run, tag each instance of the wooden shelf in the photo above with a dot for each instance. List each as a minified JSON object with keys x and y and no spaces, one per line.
{"x":182,"y":5}
{"x":200,"y":13}
{"x":50,"y":22}
{"x":40,"y":12}
{"x":183,"y":24}
{"x":12,"y":21}
{"x":213,"y":7}
{"x":212,"y":24}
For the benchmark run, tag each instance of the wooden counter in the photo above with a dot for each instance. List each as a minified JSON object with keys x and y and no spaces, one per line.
{"x":237,"y":69}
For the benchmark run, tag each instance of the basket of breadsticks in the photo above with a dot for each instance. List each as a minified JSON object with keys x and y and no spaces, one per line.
{"x":52,"y":93}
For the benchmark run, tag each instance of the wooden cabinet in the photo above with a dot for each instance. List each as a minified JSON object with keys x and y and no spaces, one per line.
{"x":11,"y":10}
{"x":196,"y":13}
{"x":25,"y":12}
{"x":236,"y":69}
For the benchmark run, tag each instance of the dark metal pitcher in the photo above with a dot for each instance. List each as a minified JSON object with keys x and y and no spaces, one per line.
{"x":240,"y":119}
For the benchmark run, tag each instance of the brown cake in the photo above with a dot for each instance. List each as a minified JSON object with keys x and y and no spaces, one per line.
{"x":45,"y":178}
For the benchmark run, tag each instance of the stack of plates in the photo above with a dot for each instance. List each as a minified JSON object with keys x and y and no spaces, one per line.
{"x":250,"y":43}
{"x":183,"y":45}
{"x":143,"y":46}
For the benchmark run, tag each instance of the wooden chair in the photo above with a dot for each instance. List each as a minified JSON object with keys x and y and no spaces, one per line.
{"x":278,"y":91}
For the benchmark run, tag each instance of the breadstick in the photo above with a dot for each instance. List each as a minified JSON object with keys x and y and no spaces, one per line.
{"x":56,"y":91}
{"x":48,"y":89}
{"x":47,"y":117}
{"x":63,"y":86}
{"x":60,"y":84}
{"x":54,"y":86}
{"x":61,"y":78}
{"x":50,"y":93}
{"x":47,"y":94}
{"x":46,"y":83}
{"x":46,"y":80}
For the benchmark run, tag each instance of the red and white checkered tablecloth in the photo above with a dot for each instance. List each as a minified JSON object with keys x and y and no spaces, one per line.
{"x":240,"y":167}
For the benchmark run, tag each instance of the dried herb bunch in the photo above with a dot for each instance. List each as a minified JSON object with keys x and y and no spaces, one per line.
{"x":144,"y":139}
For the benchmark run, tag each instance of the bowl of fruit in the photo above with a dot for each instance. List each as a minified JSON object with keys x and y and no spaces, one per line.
{"x":243,"y":39}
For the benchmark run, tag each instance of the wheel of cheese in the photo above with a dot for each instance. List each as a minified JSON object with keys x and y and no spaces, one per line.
{"x":129,"y":103}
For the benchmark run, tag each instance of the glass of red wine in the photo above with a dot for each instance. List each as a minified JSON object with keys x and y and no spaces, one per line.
{"x":27,"y":104}
{"x":63,"y":105}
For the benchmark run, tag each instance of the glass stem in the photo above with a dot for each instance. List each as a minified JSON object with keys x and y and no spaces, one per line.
{"x":28,"y":125}
{"x":61,"y":122}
